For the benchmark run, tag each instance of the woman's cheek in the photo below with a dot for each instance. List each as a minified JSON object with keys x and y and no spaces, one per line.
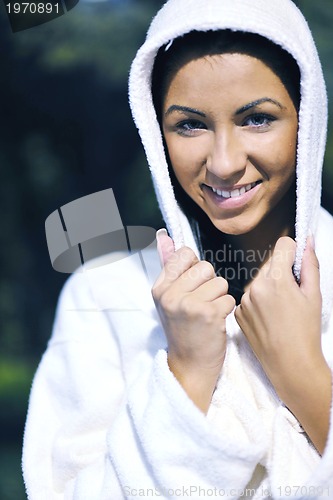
{"x":182,"y":159}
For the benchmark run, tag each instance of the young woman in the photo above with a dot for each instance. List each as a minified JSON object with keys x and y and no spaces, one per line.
{"x":218,"y":383}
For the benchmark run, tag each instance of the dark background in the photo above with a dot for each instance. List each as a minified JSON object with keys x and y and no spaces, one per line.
{"x":66,"y":131}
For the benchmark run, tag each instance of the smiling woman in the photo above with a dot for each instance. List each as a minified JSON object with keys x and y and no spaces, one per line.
{"x":221,"y":381}
{"x":228,"y":106}
{"x":238,"y":161}
{"x":230,"y":129}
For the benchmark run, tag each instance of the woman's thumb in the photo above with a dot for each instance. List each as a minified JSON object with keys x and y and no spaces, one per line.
{"x":165,"y":246}
{"x":310,"y":278}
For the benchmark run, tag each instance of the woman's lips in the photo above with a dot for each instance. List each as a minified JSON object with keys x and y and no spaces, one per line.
{"x":233,"y":198}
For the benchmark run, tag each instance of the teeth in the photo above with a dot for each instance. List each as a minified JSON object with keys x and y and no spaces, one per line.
{"x":234,"y":192}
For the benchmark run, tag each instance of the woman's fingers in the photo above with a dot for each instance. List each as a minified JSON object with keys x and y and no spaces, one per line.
{"x":175,"y":263}
{"x":212,"y":289}
{"x":225,"y":304}
{"x":186,"y":273}
{"x":310,"y":276}
{"x":283,"y":259}
{"x":201,"y":272}
{"x":165,"y":246}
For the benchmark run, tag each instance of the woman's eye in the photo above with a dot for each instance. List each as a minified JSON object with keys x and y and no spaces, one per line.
{"x":258,"y":120}
{"x":189,"y":127}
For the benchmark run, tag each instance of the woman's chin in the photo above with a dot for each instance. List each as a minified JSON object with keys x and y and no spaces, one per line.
{"x":233,"y":229}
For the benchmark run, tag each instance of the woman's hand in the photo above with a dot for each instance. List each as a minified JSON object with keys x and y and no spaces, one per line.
{"x":282,"y":322}
{"x":193,"y":304}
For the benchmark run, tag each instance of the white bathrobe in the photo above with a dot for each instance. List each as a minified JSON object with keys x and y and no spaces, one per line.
{"x":107,"y":419}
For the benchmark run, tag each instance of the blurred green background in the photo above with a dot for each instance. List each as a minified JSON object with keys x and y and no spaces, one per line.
{"x":66,"y":131}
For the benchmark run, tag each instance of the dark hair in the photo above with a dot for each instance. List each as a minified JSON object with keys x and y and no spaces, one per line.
{"x":195,"y":45}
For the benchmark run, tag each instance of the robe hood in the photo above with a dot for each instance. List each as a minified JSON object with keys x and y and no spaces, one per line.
{"x":283,"y":24}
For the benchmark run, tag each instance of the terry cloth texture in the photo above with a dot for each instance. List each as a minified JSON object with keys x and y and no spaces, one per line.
{"x":107,"y":419}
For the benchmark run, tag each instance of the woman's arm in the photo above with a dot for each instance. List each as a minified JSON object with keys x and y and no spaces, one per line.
{"x":282,"y":322}
{"x":193,"y":305}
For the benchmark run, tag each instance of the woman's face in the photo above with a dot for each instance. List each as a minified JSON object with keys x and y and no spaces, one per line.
{"x":231,"y":131}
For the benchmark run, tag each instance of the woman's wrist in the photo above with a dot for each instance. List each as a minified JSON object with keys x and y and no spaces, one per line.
{"x":309,"y":398}
{"x":197,"y":381}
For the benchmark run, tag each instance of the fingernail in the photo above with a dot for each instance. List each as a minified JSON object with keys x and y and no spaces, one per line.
{"x":161,"y":232}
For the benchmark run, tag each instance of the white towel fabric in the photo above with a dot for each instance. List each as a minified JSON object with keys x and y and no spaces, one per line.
{"x":107,"y":419}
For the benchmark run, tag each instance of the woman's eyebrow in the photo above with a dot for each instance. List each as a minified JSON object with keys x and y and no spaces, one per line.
{"x":253,"y":104}
{"x":184,"y":109}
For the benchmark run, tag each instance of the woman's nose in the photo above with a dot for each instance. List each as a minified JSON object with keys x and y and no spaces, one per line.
{"x":227,"y":159}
